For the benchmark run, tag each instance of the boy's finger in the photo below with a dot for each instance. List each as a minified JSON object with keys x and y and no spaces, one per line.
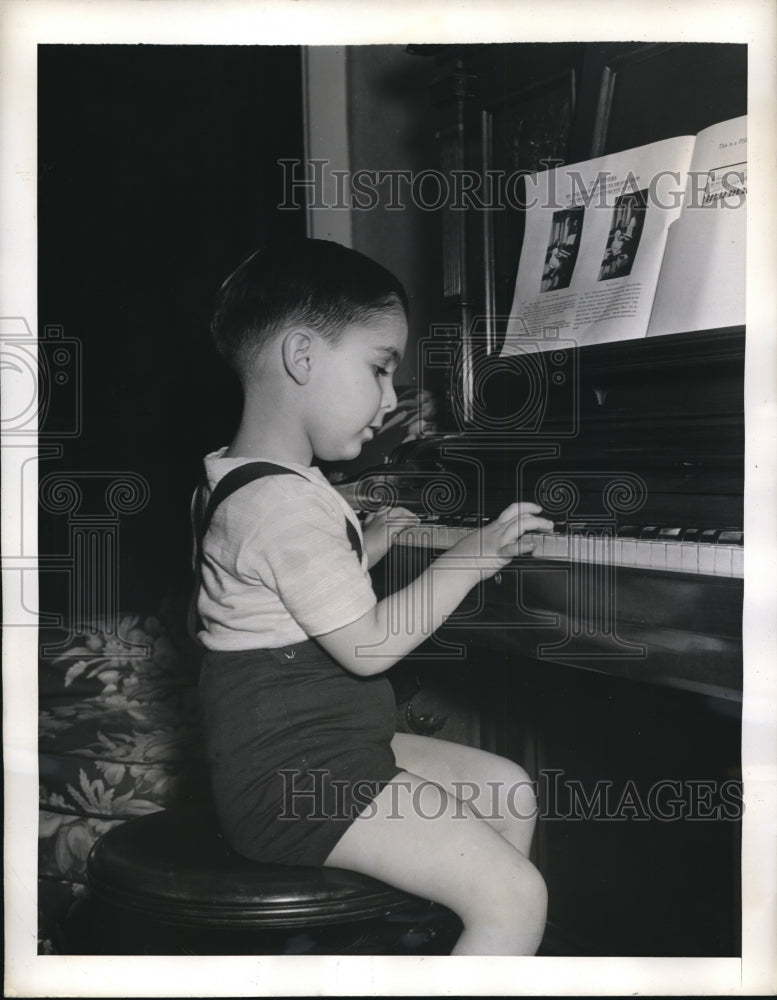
{"x":379,"y":512}
{"x":402,"y":513}
{"x":517,"y":509}
{"x":521,"y":546}
{"x":528,"y":522}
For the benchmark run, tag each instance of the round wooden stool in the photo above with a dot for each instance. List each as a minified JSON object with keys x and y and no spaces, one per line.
{"x":168,"y":884}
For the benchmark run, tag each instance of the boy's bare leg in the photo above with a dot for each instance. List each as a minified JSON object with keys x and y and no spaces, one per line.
{"x":419,"y":838}
{"x":497,"y":789}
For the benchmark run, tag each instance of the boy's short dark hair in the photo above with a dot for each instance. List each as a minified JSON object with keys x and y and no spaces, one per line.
{"x":315,"y":283}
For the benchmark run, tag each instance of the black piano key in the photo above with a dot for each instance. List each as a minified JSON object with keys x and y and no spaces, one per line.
{"x":629,"y":531}
{"x":670,"y":534}
{"x":649,"y":531}
{"x":709,"y":536}
{"x":691,"y":534}
{"x":470,"y":521}
{"x":560,"y":528}
{"x":731,"y":536}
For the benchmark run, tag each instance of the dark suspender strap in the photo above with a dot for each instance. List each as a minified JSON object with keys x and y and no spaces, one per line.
{"x":353,"y":538}
{"x":202,"y":514}
{"x":235,"y":480}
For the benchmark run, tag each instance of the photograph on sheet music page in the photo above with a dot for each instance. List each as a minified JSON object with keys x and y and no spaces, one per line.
{"x":594,"y":242}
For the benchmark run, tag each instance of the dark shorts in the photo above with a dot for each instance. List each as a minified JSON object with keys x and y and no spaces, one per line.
{"x":297,"y":746}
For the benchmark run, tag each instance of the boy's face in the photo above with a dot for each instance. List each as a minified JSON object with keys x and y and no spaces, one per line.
{"x":353,"y":386}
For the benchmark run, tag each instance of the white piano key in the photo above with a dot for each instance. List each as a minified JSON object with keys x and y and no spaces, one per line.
{"x":421,"y":536}
{"x":548,"y":547}
{"x":417,"y":535}
{"x":575,"y":546}
{"x":455,"y":535}
{"x":723,"y":560}
{"x":707,"y":559}
{"x":585,"y":552}
{"x":536,"y":540}
{"x":673,"y":556}
{"x":629,"y":552}
{"x":689,"y":557}
{"x":440,"y":537}
{"x":657,"y":555}
{"x":598,"y":551}
{"x":643,"y":555}
{"x":543,"y":545}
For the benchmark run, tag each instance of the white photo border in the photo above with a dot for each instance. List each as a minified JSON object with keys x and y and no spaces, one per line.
{"x":24,"y":24}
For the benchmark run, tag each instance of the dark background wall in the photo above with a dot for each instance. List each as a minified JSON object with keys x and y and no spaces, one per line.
{"x":157,"y":175}
{"x":391,"y":125}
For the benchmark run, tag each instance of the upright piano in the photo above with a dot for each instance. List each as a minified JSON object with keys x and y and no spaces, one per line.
{"x":640,"y":464}
{"x":611,"y":657}
{"x":608,"y":662}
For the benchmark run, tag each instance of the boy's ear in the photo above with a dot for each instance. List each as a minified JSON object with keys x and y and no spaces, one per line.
{"x":297,"y":349}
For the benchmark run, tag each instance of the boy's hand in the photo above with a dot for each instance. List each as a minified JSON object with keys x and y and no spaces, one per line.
{"x":492,"y":547}
{"x":381,"y":528}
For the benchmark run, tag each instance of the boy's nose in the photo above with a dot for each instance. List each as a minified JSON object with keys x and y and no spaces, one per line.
{"x":389,"y":402}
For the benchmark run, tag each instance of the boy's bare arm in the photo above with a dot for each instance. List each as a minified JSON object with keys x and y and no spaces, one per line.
{"x":382,"y":528}
{"x":395,"y":626}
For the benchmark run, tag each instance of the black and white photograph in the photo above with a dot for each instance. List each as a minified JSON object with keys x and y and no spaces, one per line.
{"x":563,"y":245}
{"x":623,"y":241}
{"x":368,"y":631}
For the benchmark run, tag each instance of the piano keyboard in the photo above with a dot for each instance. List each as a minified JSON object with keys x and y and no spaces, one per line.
{"x":704,"y":552}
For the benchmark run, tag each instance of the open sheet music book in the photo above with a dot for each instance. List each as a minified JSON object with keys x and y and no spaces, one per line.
{"x":639,"y":243}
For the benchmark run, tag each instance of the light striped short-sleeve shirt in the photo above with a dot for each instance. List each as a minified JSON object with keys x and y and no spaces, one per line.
{"x":278,"y":566}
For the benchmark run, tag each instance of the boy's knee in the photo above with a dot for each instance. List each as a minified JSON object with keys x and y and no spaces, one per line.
{"x":517,"y":884}
{"x":521,"y":800}
{"x":534,"y":889}
{"x":520,"y":779}
{"x":516,"y":898}
{"x":517,"y":793}
{"x":507,"y":772}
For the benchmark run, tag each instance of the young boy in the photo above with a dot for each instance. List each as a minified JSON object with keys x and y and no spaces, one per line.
{"x":299,"y":717}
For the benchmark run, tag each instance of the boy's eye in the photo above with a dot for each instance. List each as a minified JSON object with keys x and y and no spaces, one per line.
{"x":380,"y":371}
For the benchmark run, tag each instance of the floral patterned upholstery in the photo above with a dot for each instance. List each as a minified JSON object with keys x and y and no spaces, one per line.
{"x":118,"y":738}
